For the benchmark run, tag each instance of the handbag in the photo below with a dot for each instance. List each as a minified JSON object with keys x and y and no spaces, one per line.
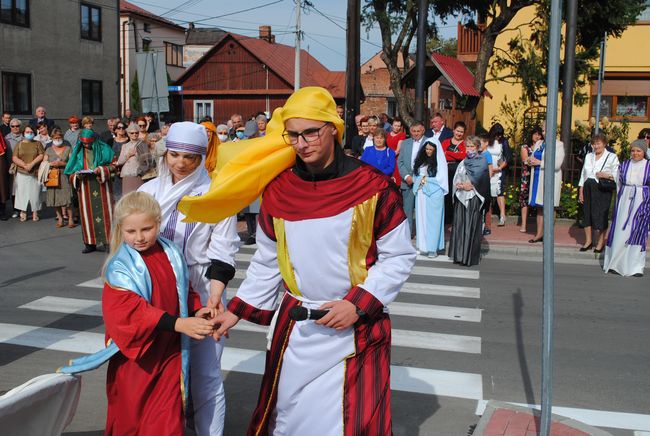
{"x":13,"y":169}
{"x":53,"y":178}
{"x":606,"y":185}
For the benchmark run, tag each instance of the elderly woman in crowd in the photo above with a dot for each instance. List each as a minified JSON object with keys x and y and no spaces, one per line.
{"x":471,"y":196}
{"x":142,"y":125}
{"x":261,"y":124}
{"x":27,"y":157}
{"x":537,"y":174}
{"x":222,"y":133}
{"x":536,"y":135}
{"x":128,"y":161}
{"x":597,"y":185}
{"x":626,"y":243}
{"x":430,"y":186}
{"x":15,"y":135}
{"x":72,"y":134}
{"x":59,"y":197}
{"x":87,"y":122}
{"x":209,"y":250}
{"x":380,"y":156}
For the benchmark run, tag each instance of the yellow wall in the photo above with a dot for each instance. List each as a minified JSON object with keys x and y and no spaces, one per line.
{"x":624,"y":54}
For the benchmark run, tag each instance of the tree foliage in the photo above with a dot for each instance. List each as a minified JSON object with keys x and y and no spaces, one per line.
{"x":525,"y":61}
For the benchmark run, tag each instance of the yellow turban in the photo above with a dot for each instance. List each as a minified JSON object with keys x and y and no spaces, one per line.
{"x":244,"y":168}
{"x":213,"y":146}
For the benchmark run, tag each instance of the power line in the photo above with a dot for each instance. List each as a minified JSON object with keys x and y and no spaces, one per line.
{"x":239,"y":12}
{"x":185,"y":4}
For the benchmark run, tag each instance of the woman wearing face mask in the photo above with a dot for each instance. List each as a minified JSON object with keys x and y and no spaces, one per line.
{"x":222,"y":133}
{"x":59,"y":197}
{"x":239,"y":134}
{"x":27,"y":157}
{"x":209,"y":250}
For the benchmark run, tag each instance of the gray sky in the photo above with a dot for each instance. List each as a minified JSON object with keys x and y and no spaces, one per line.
{"x":324,"y":37}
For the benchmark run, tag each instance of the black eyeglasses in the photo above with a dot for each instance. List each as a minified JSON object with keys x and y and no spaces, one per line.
{"x":309,"y":135}
{"x":120,"y":128}
{"x":15,"y":127}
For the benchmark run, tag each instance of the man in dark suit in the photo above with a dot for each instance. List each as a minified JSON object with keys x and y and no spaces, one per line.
{"x":407,"y":154}
{"x":438,"y":129}
{"x":41,"y":118}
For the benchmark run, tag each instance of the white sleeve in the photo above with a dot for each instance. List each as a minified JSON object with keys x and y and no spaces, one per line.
{"x":395,"y":259}
{"x":224,"y":241}
{"x":260,"y":287}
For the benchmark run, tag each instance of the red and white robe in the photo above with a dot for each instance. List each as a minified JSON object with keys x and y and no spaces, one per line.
{"x":343,"y":238}
{"x":96,"y":200}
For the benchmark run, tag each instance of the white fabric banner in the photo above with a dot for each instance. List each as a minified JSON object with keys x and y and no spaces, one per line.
{"x":43,"y":406}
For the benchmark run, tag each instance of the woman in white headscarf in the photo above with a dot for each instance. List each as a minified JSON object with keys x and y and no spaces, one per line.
{"x":209,"y":250}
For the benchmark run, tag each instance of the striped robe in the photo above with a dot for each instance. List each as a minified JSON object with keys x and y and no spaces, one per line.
{"x":342,"y":238}
{"x":95,"y":193}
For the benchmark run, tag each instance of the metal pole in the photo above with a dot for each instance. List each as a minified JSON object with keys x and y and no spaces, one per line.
{"x":601,"y":77}
{"x":296,"y":80}
{"x":549,"y":224}
{"x":569,"y":72}
{"x":155,"y":85}
{"x":421,"y":57}
{"x":352,"y":73}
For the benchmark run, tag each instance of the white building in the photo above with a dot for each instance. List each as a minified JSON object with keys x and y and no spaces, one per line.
{"x":141,"y":31}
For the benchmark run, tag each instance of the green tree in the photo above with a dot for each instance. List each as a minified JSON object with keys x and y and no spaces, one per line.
{"x":136,"y":105}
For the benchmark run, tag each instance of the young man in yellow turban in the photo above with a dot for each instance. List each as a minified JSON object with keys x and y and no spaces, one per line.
{"x":331,"y":236}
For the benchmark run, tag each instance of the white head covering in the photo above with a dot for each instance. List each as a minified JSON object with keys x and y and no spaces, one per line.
{"x":187,"y":137}
{"x":441,"y":174}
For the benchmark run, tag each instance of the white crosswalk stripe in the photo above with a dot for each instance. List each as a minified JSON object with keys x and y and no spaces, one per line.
{"x":403,"y":378}
{"x":403,"y":338}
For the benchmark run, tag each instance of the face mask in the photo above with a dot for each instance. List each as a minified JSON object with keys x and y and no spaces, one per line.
{"x":57,"y":142}
{"x":223,"y":138}
{"x":471,"y":154}
{"x":240,"y":135}
{"x":29,"y":136}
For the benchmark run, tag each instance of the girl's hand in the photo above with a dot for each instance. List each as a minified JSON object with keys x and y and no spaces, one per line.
{"x":224,"y":322}
{"x":206,"y":313}
{"x":342,"y":314}
{"x":581,"y":197}
{"x":195,"y":328}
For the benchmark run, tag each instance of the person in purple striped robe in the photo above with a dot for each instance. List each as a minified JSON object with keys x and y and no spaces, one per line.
{"x":209,"y":251}
{"x":626,"y":243}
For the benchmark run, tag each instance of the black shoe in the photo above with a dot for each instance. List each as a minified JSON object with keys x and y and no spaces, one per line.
{"x":533,"y":241}
{"x":597,"y":251}
{"x":89,"y":248}
{"x":4,"y":217}
{"x":587,"y":248}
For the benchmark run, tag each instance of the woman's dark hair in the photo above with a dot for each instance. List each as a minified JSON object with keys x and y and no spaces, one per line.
{"x":496,"y":131}
{"x":430,"y":161}
{"x":537,"y":130}
{"x":460,"y":124}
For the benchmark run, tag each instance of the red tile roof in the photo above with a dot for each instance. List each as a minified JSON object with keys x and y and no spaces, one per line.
{"x":280,"y":58}
{"x":130,"y":8}
{"x":456,"y":73}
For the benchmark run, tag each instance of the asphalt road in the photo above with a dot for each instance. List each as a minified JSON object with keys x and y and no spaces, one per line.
{"x":460,"y":336}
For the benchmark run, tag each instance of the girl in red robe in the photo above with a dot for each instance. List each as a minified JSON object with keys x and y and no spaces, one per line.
{"x":146,"y":382}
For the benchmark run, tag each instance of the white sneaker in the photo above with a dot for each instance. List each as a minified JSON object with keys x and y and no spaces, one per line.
{"x":502,"y":221}
{"x":432,"y":255}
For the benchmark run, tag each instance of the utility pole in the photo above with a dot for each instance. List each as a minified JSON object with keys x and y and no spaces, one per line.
{"x":353,"y":68}
{"x":601,"y":77}
{"x":549,"y":225}
{"x":420,"y":60}
{"x":569,"y":72}
{"x":296,"y":79}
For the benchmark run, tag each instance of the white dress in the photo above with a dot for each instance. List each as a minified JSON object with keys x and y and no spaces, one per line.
{"x":496,"y":150}
{"x":627,"y":259}
{"x":201,"y":243}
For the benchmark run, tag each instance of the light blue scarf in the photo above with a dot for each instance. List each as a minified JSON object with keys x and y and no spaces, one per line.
{"x":127,"y":270}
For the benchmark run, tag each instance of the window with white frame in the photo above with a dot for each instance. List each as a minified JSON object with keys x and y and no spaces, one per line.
{"x":202,"y":108}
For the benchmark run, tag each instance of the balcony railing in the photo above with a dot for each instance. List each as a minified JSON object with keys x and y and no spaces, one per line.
{"x":469,"y":42}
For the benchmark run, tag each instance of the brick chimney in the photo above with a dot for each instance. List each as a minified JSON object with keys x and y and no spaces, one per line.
{"x":265,"y":34}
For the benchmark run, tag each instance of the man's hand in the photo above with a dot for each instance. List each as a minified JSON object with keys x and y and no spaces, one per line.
{"x":342,"y":314}
{"x":224,"y":322}
{"x":195,"y":328}
{"x":409,"y":180}
{"x":216,"y":291}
